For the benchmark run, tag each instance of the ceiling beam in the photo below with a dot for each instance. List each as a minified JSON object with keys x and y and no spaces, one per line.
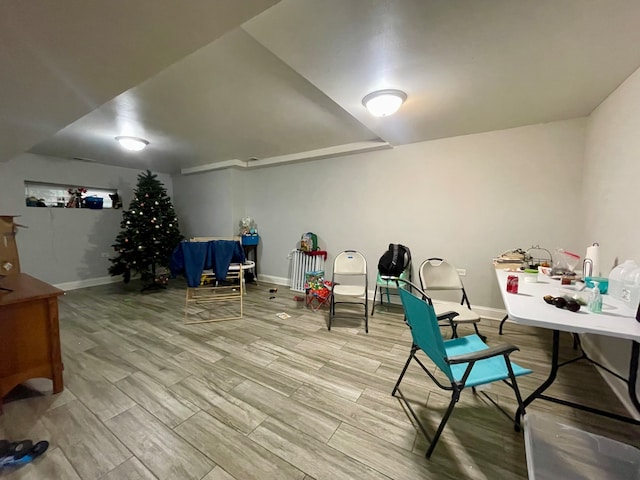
{"x":318,"y":154}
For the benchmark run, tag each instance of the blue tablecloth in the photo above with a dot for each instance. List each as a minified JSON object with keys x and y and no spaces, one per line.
{"x":192,"y":258}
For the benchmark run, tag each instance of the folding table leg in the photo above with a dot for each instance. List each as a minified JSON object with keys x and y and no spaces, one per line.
{"x":633,"y":374}
{"x":552,"y":376}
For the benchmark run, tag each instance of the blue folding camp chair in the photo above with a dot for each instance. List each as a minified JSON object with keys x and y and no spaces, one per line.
{"x":386,"y":285}
{"x":466,"y":361}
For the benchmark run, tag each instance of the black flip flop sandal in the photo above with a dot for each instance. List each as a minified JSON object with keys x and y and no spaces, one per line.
{"x":23,"y":455}
{"x":20,"y":449}
{"x":5,"y":448}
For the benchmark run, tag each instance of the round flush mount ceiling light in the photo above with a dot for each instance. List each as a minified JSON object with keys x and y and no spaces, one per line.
{"x":132,"y":143}
{"x":382,"y":103}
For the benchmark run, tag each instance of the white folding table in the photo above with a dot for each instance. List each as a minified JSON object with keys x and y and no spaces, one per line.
{"x":617,"y":320}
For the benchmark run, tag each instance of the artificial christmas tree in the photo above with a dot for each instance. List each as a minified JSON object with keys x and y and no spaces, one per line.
{"x":149,"y":233}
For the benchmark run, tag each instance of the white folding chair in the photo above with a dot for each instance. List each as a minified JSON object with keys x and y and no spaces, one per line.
{"x":349,"y":279}
{"x":437,"y":274}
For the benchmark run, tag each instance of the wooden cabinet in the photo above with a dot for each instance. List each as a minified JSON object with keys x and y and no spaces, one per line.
{"x":29,"y":333}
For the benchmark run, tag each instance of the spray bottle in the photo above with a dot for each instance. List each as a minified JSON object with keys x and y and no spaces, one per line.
{"x":595,"y":299}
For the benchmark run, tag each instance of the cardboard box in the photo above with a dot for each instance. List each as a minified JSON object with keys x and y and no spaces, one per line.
{"x":9,"y":261}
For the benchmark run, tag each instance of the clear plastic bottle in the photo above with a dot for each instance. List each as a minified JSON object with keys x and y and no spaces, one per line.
{"x":631,"y":288}
{"x":595,"y":299}
{"x":617,"y":277}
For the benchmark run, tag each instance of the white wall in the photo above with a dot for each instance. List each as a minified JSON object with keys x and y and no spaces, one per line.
{"x":65,"y":245}
{"x":612,"y":170}
{"x":466,"y":198}
{"x":205,"y":204}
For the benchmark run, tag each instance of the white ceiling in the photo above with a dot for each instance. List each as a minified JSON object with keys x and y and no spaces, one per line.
{"x":290,"y":80}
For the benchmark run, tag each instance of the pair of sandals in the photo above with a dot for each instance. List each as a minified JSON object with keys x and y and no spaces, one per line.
{"x":20,"y":453}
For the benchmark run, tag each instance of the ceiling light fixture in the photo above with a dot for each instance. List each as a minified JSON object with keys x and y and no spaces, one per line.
{"x":382,"y":103}
{"x":132,"y":143}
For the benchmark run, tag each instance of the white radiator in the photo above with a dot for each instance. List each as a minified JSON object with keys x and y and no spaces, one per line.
{"x":300,"y":264}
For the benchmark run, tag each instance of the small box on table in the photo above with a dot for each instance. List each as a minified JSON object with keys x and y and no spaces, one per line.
{"x":248,"y":240}
{"x":95,"y":203}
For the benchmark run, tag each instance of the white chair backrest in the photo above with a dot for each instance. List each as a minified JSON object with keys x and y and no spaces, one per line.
{"x":350,"y":262}
{"x":436,"y":274}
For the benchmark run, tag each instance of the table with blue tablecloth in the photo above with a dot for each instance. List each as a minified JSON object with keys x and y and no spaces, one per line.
{"x":214,"y":270}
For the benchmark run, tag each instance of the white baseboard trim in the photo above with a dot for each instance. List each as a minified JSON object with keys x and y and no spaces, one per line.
{"x":91,"y":282}
{"x":485,"y":312}
{"x":489,"y":313}
{"x":618,"y":387}
{"x":272,"y":279}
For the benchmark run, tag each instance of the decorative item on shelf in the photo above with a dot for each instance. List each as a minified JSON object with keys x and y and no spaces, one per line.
{"x":248,"y":240}
{"x":309,"y":242}
{"x":249,"y":231}
{"x":35,"y":202}
{"x":116,"y":201}
{"x":248,"y":226}
{"x":94,"y":202}
{"x":75,"y":201}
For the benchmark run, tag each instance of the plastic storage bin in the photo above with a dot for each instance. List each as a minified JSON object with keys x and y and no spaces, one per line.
{"x":94,"y":203}
{"x":631,"y":288}
{"x":603,"y":283}
{"x":557,"y":451}
{"x":250,"y":239}
{"x":617,"y":277}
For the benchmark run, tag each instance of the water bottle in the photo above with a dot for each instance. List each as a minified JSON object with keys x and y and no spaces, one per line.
{"x":617,"y":277}
{"x":595,"y":299}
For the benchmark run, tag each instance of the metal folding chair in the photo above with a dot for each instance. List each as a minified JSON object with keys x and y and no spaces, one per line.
{"x":386,"y":286}
{"x":438,"y":274}
{"x":466,"y":361}
{"x":350,"y":266}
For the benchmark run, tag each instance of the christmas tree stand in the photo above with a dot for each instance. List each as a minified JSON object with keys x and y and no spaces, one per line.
{"x":160,"y":282}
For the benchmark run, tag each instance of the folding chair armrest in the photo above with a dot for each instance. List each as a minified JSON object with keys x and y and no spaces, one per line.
{"x":448,"y":316}
{"x":503,"y":349}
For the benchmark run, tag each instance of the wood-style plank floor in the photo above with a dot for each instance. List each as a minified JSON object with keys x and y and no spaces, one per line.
{"x":148,"y":397}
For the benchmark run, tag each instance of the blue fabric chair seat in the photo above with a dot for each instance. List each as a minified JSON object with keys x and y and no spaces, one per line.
{"x":388,"y":287}
{"x":484,"y":371}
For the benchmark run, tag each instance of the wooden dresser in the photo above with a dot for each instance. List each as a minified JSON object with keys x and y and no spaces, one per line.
{"x":29,"y":333}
